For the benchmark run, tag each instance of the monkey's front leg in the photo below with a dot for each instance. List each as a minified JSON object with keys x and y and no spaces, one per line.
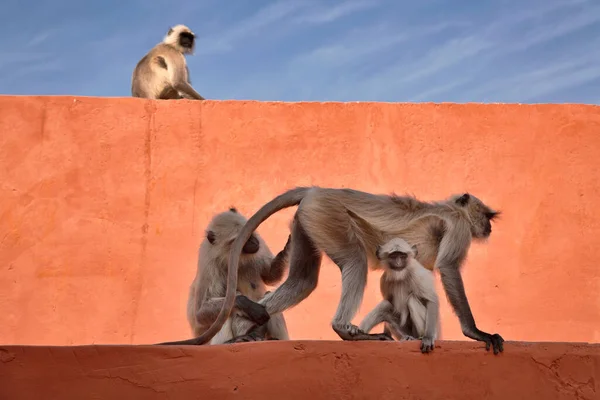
{"x":431,"y":320}
{"x":455,"y":290}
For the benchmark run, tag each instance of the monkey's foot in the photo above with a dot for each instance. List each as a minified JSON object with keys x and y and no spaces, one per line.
{"x":427,"y":345}
{"x":254,"y":311}
{"x":354,"y":333}
{"x":407,"y":338}
{"x":251,"y":337}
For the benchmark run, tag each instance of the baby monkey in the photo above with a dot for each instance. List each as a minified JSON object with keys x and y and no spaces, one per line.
{"x":410,"y":307}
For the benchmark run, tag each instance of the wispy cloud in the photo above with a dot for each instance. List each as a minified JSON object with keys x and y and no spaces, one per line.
{"x":226,"y":39}
{"x":325,"y":14}
{"x":40,"y":37}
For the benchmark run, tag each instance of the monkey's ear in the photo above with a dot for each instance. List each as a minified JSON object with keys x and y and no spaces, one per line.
{"x":414,"y":250}
{"x":463,"y":200}
{"x":170,"y":31}
{"x":233,"y":209}
{"x":378,"y":252}
{"x":210,"y":235}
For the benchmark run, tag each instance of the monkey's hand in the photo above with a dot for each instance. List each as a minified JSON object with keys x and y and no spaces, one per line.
{"x":494,"y":340}
{"x":427,"y":345}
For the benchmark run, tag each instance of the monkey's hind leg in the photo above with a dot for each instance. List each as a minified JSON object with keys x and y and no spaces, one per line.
{"x":241,"y":333}
{"x":224,"y":335}
{"x":277,"y":328}
{"x":383,"y":312}
{"x":354,"y":268}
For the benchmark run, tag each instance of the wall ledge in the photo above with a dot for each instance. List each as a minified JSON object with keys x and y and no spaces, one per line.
{"x":302,"y":370}
{"x":185,"y":102}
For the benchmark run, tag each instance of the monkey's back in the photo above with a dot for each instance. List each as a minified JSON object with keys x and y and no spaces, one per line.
{"x":152,"y":74}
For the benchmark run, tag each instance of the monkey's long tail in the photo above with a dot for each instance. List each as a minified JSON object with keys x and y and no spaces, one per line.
{"x":288,"y":199}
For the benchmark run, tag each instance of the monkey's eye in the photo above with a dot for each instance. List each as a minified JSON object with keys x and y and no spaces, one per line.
{"x":398,"y":254}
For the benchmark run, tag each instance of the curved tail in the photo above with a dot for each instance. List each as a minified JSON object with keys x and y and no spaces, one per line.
{"x":288,"y":199}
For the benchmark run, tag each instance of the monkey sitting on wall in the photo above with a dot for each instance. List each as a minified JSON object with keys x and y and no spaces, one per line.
{"x":257,"y":268}
{"x":410,"y":307}
{"x":163,"y":73}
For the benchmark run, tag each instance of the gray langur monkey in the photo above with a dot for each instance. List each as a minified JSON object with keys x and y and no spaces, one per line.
{"x":163,"y":73}
{"x":257,"y":268}
{"x":323,"y":223}
{"x":410,"y":306}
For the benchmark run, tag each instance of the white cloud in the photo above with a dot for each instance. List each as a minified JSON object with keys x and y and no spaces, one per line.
{"x":359,"y":44}
{"x":540,"y":81}
{"x":324,"y":15}
{"x":224,"y":40}
{"x":40,"y":38}
{"x":427,"y":95}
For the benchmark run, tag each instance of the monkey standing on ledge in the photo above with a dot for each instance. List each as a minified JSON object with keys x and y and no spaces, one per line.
{"x":410,"y":307}
{"x":257,"y":268}
{"x":443,"y":230}
{"x":163,"y":72}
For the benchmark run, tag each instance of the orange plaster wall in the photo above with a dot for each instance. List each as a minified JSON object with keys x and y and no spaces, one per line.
{"x":300,"y":370}
{"x":103,"y":202}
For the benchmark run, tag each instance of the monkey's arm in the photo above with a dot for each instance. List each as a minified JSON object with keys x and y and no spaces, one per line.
{"x":181,"y":83}
{"x":210,"y":309}
{"x":273,"y":273}
{"x":381,"y":313}
{"x":448,"y":263}
{"x":187,"y":90}
{"x":431,"y":321}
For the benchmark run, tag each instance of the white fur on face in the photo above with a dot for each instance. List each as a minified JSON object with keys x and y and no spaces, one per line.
{"x":174,"y":35}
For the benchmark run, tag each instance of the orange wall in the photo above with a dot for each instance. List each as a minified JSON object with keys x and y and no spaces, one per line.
{"x":328,"y":370}
{"x":103,"y":203}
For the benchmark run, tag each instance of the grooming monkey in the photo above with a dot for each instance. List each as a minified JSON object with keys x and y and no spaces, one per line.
{"x":410,"y":307}
{"x":257,"y":268}
{"x":443,"y":231}
{"x":163,"y":73}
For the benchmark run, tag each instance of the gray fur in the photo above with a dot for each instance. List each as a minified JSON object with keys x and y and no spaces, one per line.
{"x":207,"y":291}
{"x":163,"y":73}
{"x":410,"y":306}
{"x":324,"y":223}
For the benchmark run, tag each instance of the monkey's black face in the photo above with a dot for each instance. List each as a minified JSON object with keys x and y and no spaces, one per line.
{"x":486,"y":224}
{"x":186,"y":40}
{"x":487,"y":230}
{"x":397,"y":260}
{"x":252,"y":245}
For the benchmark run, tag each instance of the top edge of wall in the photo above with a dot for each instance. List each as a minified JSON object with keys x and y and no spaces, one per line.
{"x":365,"y":102}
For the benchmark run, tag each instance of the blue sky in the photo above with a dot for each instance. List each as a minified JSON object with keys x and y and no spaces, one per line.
{"x":527,"y":51}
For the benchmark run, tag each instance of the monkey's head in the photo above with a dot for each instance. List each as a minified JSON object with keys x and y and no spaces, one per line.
{"x":396,"y":254}
{"x":224,"y":228}
{"x":182,"y":38}
{"x":480,"y":215}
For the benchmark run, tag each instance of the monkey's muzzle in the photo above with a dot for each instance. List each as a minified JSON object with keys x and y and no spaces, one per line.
{"x":186,"y":40}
